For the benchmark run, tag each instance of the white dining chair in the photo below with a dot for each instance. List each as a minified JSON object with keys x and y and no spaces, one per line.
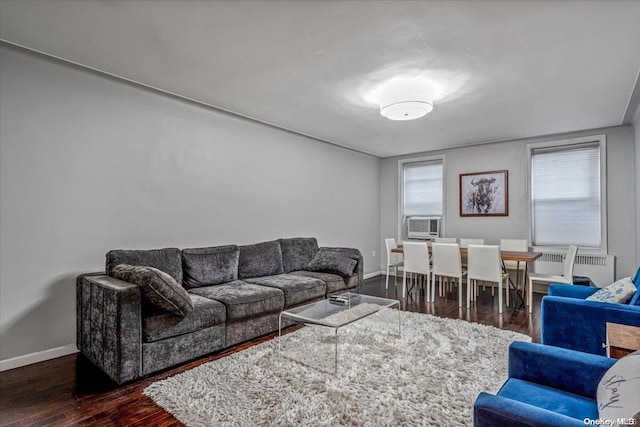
{"x":446,"y":263}
{"x":393,"y":260}
{"x":484,"y":264}
{"x":416,"y":261}
{"x":464,"y":243}
{"x":566,"y":278}
{"x":519,"y":245}
{"x":445,"y":240}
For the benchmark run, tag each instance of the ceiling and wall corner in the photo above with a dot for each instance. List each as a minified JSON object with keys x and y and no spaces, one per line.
{"x":506,"y":70}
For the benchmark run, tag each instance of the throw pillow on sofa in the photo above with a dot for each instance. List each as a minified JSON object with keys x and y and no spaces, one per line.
{"x":618,"y":292}
{"x":619,"y":391}
{"x":157,"y":286}
{"x":332,"y":263}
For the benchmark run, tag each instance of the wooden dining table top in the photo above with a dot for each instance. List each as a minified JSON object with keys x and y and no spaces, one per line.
{"x":528,"y":256}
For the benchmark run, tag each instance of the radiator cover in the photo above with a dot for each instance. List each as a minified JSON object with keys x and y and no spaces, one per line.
{"x":599,"y":268}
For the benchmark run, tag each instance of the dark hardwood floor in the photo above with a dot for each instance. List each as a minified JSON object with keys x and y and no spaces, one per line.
{"x":70,"y":391}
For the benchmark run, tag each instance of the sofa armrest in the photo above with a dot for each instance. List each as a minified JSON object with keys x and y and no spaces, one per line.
{"x":556,"y":367}
{"x":109,"y":331}
{"x":580,"y":325}
{"x":571,"y":291}
{"x":351,"y":253}
{"x":497,"y":411}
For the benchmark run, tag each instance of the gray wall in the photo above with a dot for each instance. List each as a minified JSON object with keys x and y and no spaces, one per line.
{"x":89,"y":164}
{"x":636,"y":131}
{"x":511,"y":155}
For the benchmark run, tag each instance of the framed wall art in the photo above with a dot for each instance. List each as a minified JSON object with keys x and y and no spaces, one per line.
{"x":484,"y":193}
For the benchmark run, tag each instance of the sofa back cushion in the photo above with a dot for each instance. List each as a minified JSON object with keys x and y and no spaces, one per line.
{"x":297,"y":252}
{"x":635,"y":300}
{"x":210,"y":266}
{"x":167,"y":260}
{"x":260,"y":259}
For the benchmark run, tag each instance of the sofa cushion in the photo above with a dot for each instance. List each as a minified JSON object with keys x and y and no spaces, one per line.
{"x":297,"y":289}
{"x":332,"y":263}
{"x":551,"y":399}
{"x":261,"y":259}
{"x":635,"y":299}
{"x":157,"y":286}
{"x":242,"y":299}
{"x":157,"y":324}
{"x":334,"y":282}
{"x":167,"y":260}
{"x":210,"y":266}
{"x":297,"y":252}
{"x":618,"y":292}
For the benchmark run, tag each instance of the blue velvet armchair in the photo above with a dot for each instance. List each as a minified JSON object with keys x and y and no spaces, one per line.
{"x":569,"y":321}
{"x":547,"y":386}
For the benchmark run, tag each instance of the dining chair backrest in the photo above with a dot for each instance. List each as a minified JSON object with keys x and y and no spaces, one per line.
{"x":569,"y":260}
{"x":464,"y":243}
{"x":391,"y":244}
{"x":446,"y":259}
{"x":416,"y":257}
{"x":445,"y":240}
{"x":483,"y":263}
{"x":520,"y":245}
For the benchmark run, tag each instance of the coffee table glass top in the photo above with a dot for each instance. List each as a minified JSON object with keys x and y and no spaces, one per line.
{"x":327,"y":313}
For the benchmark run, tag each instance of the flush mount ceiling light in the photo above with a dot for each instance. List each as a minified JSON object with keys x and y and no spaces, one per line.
{"x":405,"y":99}
{"x":406,"y":110}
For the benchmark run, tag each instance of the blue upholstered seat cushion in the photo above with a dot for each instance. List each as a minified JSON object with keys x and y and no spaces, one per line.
{"x":297,"y":289}
{"x":242,"y":299}
{"x":562,"y":402}
{"x":619,"y":292}
{"x":210,"y":266}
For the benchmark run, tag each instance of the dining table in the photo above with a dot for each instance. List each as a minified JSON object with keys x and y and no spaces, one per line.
{"x":517,"y":256}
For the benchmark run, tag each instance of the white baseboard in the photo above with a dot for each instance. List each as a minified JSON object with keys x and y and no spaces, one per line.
{"x":373,"y":274}
{"x":39,"y":356}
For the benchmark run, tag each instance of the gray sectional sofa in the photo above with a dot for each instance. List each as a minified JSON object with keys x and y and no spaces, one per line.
{"x":237,"y":293}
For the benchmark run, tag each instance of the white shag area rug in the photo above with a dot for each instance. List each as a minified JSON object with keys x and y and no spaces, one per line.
{"x":430,"y":376}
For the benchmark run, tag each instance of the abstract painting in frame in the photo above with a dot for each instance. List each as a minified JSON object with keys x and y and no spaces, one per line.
{"x":484,"y":193}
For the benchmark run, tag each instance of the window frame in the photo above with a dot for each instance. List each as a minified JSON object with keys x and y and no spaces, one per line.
{"x":601,"y":140}
{"x":401,"y":163}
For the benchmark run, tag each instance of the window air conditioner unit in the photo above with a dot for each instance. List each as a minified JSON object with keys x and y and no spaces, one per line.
{"x":423,"y":227}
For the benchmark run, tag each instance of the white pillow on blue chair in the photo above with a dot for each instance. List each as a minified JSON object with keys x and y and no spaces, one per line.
{"x":618,"y":292}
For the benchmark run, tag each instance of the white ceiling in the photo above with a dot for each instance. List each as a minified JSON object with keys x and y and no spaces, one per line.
{"x":505,"y":69}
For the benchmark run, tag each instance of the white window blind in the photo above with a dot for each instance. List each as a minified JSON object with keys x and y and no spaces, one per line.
{"x":565,"y":196}
{"x":422,"y":189}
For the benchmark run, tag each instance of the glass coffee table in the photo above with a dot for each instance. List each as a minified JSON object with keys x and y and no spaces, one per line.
{"x":336,"y":314}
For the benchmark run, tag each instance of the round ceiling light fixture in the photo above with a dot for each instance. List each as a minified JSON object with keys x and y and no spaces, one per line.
{"x":405,"y":99}
{"x":406,"y":110}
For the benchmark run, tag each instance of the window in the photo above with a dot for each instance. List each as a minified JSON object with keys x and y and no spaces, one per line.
{"x":567,"y":193}
{"x":421,"y":188}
